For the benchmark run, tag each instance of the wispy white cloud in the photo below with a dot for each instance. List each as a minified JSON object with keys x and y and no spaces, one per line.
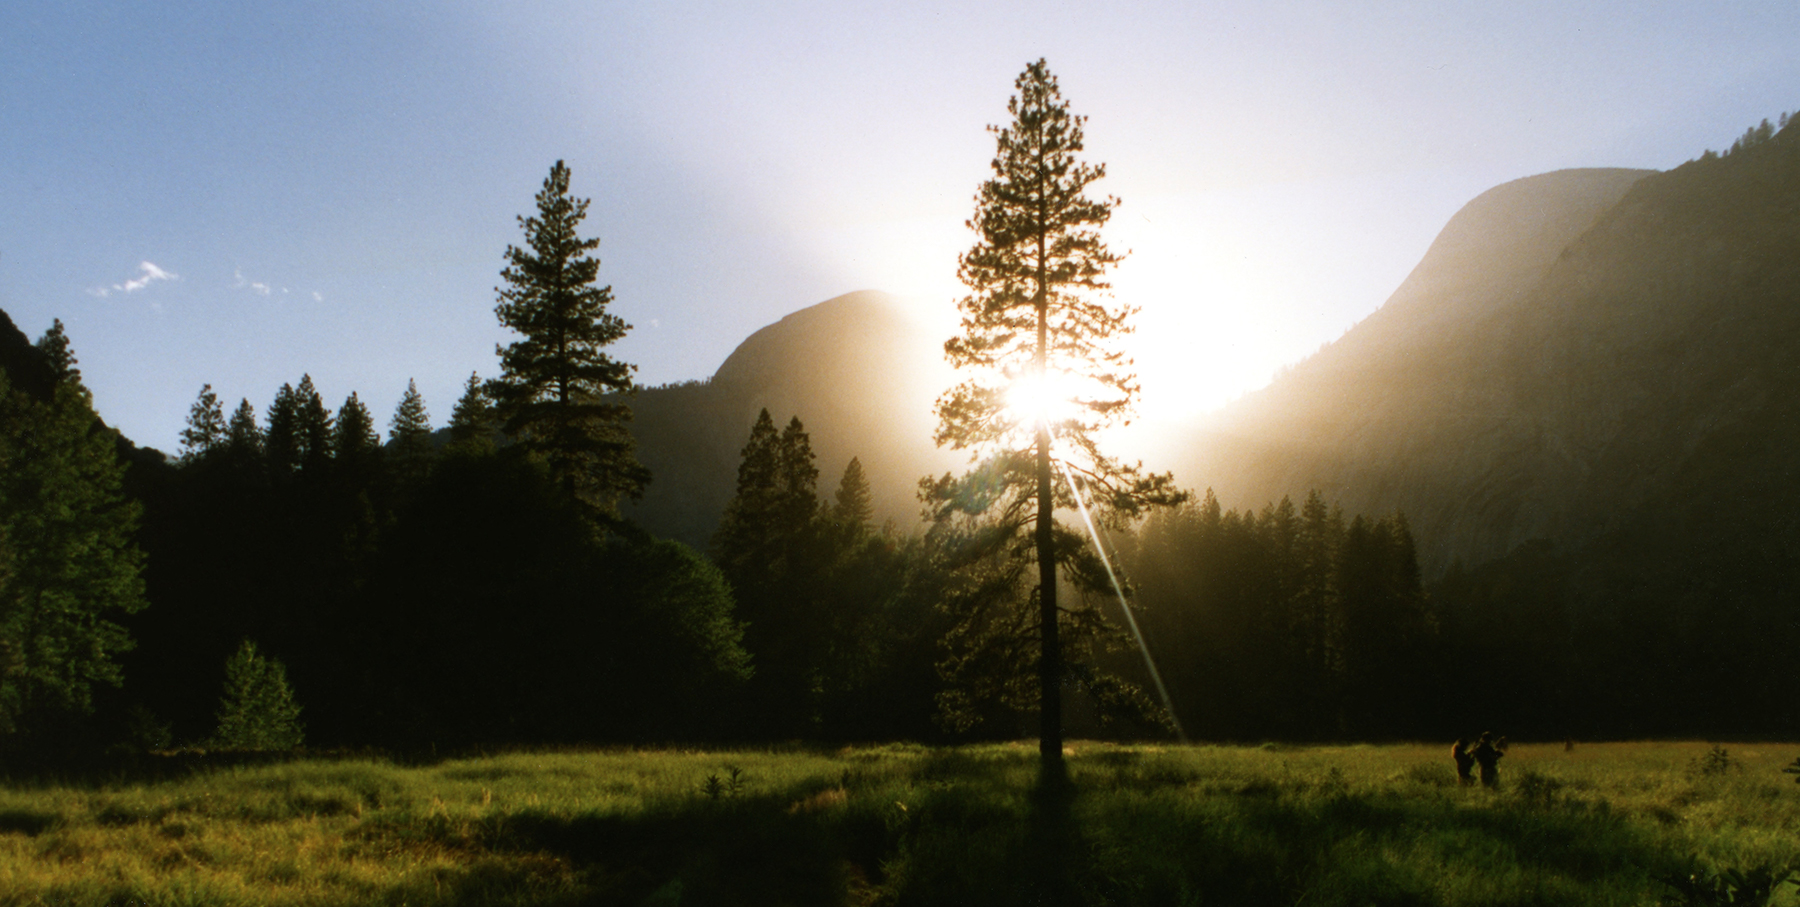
{"x":260,"y":289}
{"x":148,"y":273}
{"x":317,"y":297}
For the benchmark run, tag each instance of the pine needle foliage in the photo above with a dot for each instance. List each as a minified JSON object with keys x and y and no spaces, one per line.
{"x":471,"y":421}
{"x":409,"y":435}
{"x":559,"y":393}
{"x":257,"y":709}
{"x":354,"y":437}
{"x":243,"y":437}
{"x":315,"y":427}
{"x":55,"y":347}
{"x":1037,"y":322}
{"x":853,"y":505}
{"x":411,"y":424}
{"x":206,"y":427}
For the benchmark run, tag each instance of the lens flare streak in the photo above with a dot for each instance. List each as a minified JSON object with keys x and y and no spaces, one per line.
{"x":1130,"y":620}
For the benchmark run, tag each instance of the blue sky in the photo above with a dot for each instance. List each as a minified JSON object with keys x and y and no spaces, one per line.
{"x":241,"y":193}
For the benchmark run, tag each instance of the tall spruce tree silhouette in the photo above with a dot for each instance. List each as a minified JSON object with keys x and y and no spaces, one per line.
{"x":559,"y":394}
{"x":1045,"y":373}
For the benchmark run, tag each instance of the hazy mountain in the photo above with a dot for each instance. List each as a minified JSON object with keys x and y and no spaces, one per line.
{"x":859,"y":372}
{"x":1574,"y":347}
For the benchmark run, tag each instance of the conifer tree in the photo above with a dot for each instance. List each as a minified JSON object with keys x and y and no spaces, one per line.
{"x":282,"y":439}
{"x":746,"y":531}
{"x":354,"y":435}
{"x":1039,"y":341}
{"x":55,"y":347}
{"x":243,"y":437}
{"x":471,"y":422}
{"x":559,"y":393}
{"x":410,"y":428}
{"x":769,"y":548}
{"x":799,"y":480}
{"x":206,"y":426}
{"x":852,"y":506}
{"x":409,"y":434}
{"x":67,"y":559}
{"x":314,"y":425}
{"x":256,"y":709}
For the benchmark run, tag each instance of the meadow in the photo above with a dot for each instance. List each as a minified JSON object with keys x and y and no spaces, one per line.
{"x":1598,"y":824}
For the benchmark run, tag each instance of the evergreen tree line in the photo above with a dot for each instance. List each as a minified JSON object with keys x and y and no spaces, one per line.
{"x":1289,"y":623}
{"x":841,"y":616}
{"x":417,"y":593}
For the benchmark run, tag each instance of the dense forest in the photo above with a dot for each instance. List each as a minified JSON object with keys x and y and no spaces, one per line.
{"x":486,"y":582}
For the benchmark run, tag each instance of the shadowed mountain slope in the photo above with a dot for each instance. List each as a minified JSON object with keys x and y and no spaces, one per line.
{"x":859,"y":372}
{"x":1417,"y":407}
{"x":1570,"y":346}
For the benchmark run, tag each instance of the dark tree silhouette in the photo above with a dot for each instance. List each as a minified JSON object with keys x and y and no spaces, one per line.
{"x":1039,"y":338}
{"x":353,"y":437}
{"x":409,"y":436}
{"x":244,"y":438}
{"x":853,"y":505}
{"x":281,"y":441}
{"x":55,"y":347}
{"x":559,"y":393}
{"x":409,"y":430}
{"x":206,"y":428}
{"x":313,"y":427}
{"x":769,"y":546}
{"x":471,"y":422}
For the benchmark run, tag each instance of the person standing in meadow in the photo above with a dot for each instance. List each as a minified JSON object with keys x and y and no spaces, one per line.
{"x":1487,"y":755}
{"x":1464,"y":762}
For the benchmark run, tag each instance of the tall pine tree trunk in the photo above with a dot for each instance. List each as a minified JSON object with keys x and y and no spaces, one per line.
{"x":1050,"y":744}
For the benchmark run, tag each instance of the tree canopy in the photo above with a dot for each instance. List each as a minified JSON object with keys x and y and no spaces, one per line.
{"x":1044,"y":373}
{"x":68,"y":562}
{"x":560,"y":394}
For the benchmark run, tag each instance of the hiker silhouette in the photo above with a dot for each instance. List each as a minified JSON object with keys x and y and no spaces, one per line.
{"x":1487,"y":755}
{"x":1464,"y":762}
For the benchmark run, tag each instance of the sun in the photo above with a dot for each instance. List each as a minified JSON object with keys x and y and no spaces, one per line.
{"x":1052,"y":398}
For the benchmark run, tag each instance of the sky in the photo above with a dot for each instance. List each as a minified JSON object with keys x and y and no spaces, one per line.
{"x":242,"y":193}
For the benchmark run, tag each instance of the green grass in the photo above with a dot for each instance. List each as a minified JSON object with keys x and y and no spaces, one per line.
{"x":911,"y":825}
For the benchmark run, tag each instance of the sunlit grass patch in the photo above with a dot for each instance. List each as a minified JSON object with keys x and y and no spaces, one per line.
{"x":904,"y":824}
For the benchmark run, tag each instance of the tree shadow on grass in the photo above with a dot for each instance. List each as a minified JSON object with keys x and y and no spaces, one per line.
{"x":963,"y":829}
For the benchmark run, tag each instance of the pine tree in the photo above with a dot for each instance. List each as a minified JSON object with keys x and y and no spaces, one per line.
{"x":852,"y":506}
{"x":314,"y":427}
{"x":67,"y":559}
{"x":206,"y":428}
{"x":282,"y":440}
{"x":257,"y":709}
{"x":471,"y":422}
{"x":409,"y":430}
{"x":243,"y":437}
{"x":799,"y":479}
{"x":1040,"y":339}
{"x":559,"y":394}
{"x":409,"y":435}
{"x":55,"y":347}
{"x":743,"y":543}
{"x":769,"y":546}
{"x":354,"y":437}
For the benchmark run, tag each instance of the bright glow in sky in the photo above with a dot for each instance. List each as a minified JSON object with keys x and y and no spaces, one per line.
{"x":238,"y":193}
